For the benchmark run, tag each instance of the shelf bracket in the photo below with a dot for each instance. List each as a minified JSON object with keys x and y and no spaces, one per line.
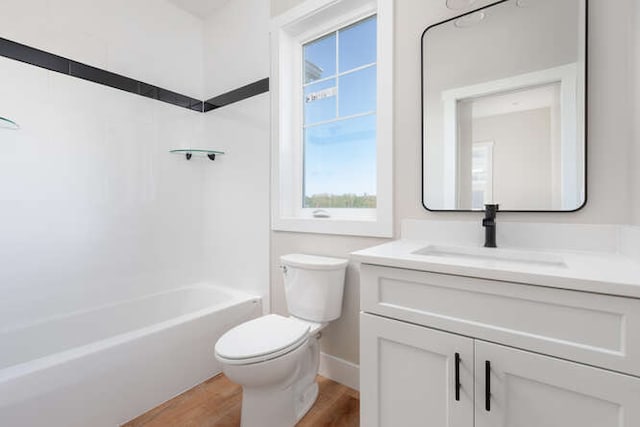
{"x":188,"y":153}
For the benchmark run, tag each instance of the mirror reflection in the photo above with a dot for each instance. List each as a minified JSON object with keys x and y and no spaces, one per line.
{"x":503,"y":106}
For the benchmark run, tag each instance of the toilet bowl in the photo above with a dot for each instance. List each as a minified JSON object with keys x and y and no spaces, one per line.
{"x":275,"y":358}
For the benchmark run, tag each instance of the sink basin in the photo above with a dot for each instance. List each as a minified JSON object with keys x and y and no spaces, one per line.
{"x":492,"y":254}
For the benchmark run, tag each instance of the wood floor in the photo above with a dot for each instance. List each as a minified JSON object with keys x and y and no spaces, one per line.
{"x":217,"y":401}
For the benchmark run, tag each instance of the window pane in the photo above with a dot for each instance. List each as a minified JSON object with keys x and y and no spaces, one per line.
{"x":320,"y":58}
{"x":358,"y":45}
{"x":320,"y":102}
{"x":340,"y":164}
{"x":358,"y":92}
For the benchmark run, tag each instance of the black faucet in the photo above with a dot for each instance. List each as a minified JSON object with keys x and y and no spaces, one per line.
{"x":489,"y":224}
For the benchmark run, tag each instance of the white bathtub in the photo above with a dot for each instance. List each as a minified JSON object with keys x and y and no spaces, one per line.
{"x":105,"y":366}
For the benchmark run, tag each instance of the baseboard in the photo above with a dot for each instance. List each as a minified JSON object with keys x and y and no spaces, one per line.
{"x":340,"y":370}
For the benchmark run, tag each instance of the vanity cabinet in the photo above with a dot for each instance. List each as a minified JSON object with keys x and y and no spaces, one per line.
{"x":410,"y":375}
{"x":531,"y":390}
{"x":442,"y":350}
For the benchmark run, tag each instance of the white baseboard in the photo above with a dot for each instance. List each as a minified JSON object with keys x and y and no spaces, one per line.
{"x":340,"y":370}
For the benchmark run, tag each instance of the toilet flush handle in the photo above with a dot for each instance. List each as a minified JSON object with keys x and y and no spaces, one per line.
{"x":284,"y":269}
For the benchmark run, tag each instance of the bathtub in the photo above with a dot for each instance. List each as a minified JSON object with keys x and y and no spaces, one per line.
{"x":107,"y":365}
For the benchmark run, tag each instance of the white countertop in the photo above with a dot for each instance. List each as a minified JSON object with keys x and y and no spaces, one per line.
{"x":606,"y":273}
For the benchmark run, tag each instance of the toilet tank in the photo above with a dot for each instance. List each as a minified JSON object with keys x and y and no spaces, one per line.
{"x":314,"y":286}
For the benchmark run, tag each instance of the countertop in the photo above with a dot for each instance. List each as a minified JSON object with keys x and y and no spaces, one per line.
{"x":598,"y":272}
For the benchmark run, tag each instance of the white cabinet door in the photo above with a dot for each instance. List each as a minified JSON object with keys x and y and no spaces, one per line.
{"x":408,"y":375}
{"x":530,"y":390}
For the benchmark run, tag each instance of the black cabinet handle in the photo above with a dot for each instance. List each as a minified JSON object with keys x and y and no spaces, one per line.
{"x":457,"y":376}
{"x":487,"y":385}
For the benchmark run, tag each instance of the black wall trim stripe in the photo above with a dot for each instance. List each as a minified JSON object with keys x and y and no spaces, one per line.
{"x":49,"y":61}
{"x":33,"y":56}
{"x":244,"y":92}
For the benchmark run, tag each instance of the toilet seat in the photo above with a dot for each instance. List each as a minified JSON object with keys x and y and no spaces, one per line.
{"x":261,"y":339}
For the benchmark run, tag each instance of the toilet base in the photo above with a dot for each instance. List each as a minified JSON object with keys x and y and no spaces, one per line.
{"x":283,"y":404}
{"x":308,"y":399}
{"x":264,"y":408}
{"x":278,"y":392}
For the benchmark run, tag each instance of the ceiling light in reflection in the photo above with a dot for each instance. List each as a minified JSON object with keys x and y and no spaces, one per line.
{"x":459,"y":4}
{"x":470,"y":20}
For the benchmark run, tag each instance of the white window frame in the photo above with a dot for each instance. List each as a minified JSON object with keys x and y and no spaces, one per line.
{"x":306,"y":22}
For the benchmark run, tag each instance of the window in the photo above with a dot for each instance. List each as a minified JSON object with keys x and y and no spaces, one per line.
{"x":331,"y":103}
{"x":481,"y":174}
{"x":339,"y":137}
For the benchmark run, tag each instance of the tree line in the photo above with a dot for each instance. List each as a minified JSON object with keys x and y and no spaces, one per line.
{"x":349,"y":200}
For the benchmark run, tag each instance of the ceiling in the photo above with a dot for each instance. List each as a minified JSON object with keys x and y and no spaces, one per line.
{"x":515,"y":101}
{"x":199,"y":8}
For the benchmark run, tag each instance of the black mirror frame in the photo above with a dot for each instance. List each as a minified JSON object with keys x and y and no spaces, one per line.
{"x":586,"y":115}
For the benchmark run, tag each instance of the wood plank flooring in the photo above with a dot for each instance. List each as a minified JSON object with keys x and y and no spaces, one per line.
{"x":217,"y":401}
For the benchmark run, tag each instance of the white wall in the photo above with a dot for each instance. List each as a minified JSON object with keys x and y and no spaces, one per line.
{"x":148,"y":40}
{"x":237,"y":185}
{"x":609,"y":148}
{"x":281,"y":6}
{"x":635,"y":119}
{"x":521,"y":157}
{"x":92,"y":207}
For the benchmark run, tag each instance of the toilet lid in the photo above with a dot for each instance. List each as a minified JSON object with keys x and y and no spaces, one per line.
{"x":261,"y":339}
{"x":313,"y":262}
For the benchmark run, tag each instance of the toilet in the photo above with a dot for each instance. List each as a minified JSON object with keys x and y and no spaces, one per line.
{"x":275,"y":358}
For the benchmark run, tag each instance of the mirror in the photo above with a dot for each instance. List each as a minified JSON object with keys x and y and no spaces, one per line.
{"x":503,"y":104}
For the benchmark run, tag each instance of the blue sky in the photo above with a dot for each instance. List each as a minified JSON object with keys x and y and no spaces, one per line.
{"x":340,"y":157}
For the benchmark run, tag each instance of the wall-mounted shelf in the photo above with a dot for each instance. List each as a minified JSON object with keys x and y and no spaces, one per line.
{"x":189,"y":152}
{"x":8,"y":124}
